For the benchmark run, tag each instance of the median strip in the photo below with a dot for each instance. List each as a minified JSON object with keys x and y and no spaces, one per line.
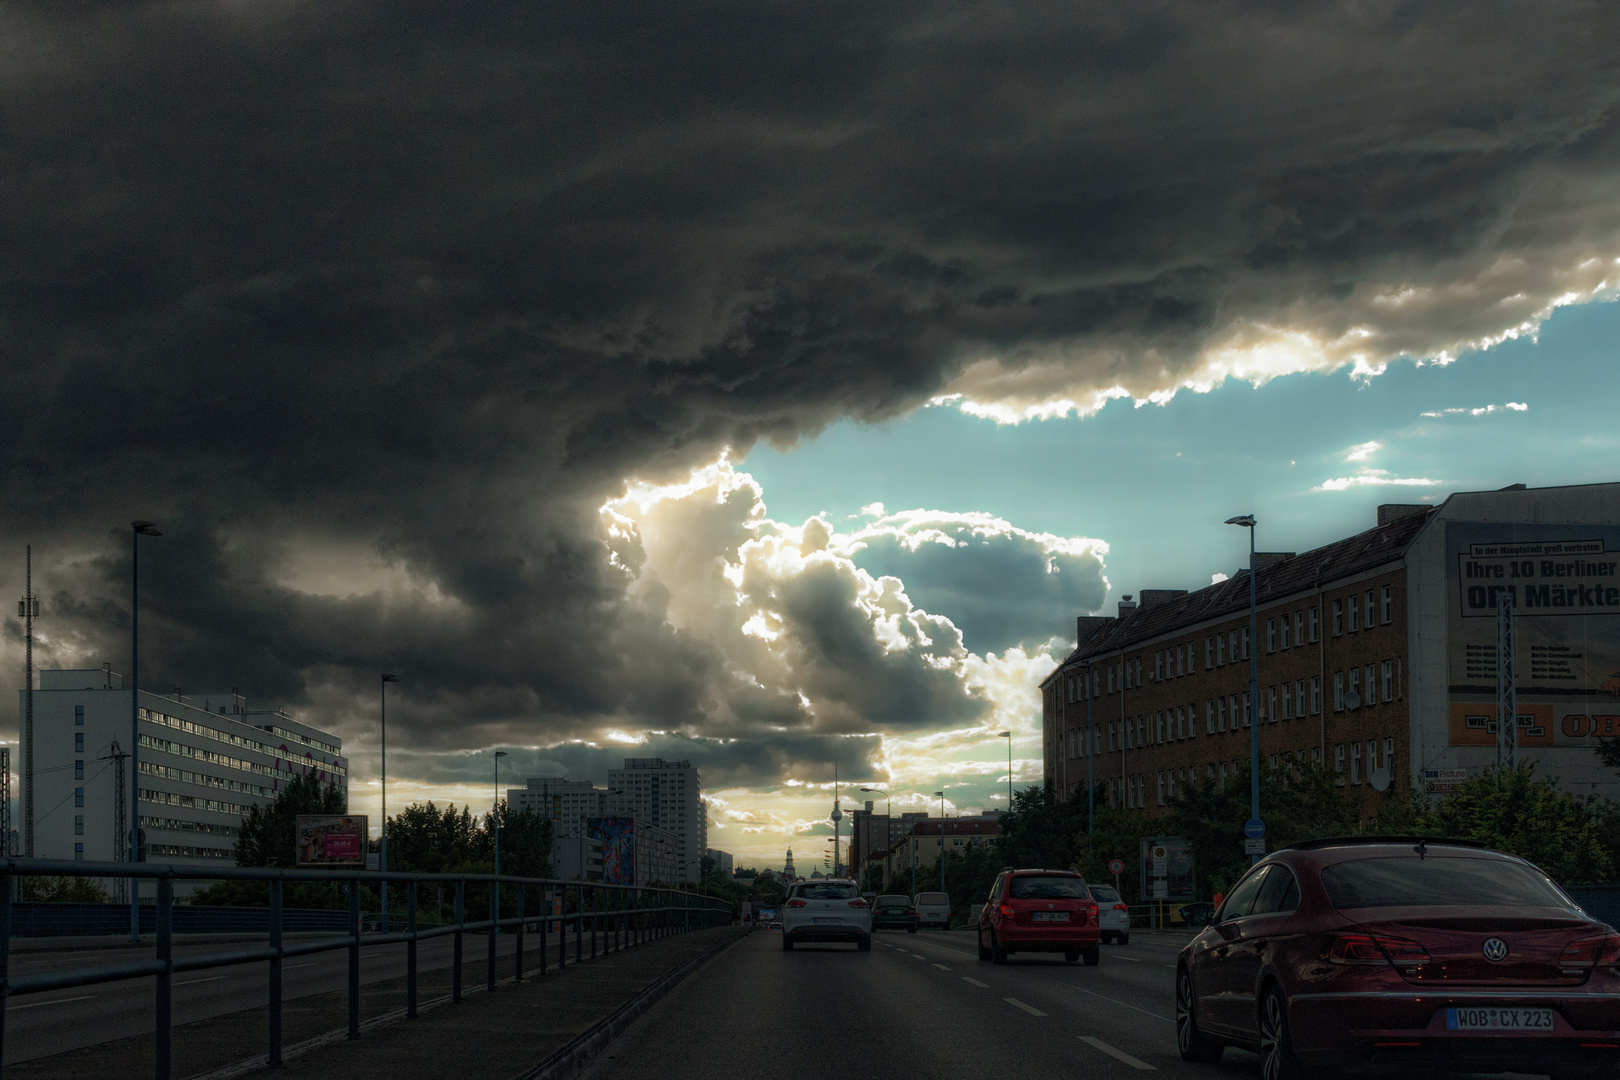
{"x":1032,"y":1010}
{"x":1118,"y":1055}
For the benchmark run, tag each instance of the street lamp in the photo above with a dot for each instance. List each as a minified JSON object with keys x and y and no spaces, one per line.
{"x":138,"y":529}
{"x":1091,"y":747}
{"x":941,"y":796}
{"x":382,"y":861}
{"x":1247,"y":521}
{"x":1008,"y":736}
{"x":495,"y":812}
{"x":888,"y":833}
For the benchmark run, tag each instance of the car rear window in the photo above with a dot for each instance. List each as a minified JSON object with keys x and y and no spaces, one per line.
{"x":827,"y":892}
{"x":893,"y":901}
{"x":1410,"y":881}
{"x":1104,"y":894}
{"x":1048,"y":887}
{"x":935,"y":898}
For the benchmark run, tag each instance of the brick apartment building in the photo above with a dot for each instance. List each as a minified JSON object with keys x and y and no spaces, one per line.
{"x":1376,"y":658}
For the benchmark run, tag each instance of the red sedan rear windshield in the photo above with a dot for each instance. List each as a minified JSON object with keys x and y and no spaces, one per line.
{"x":1410,"y":881}
{"x":1042,"y":887}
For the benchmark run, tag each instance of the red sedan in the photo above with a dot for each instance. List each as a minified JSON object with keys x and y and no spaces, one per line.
{"x":1039,"y":911}
{"x":1400,"y":952}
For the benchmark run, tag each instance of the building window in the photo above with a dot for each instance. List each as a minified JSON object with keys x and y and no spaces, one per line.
{"x":1209,"y":653}
{"x":1158,"y":666}
{"x":78,"y":742}
{"x":1220,"y":714}
{"x":78,"y":852}
{"x":1282,"y":632}
{"x":1112,"y":735}
{"x":1273,"y":763}
{"x":78,"y":715}
{"x":1338,"y":691}
{"x":78,"y":796}
{"x":1209,"y":717}
{"x":1161,"y":787}
{"x":1223,"y":772}
{"x":1138,"y":671}
{"x":1386,"y":614}
{"x":1389,"y":680}
{"x":1247,"y":644}
{"x":1372,"y":684}
{"x":1316,"y":694}
{"x":1181,"y":659}
{"x":1369,"y":616}
{"x":1220,"y":650}
{"x":78,"y":824}
{"x":1287,"y":703}
{"x":1355,"y":606}
{"x":78,"y":770}
{"x":1338,"y":762}
{"x":1299,"y":628}
{"x":1299,"y":698}
{"x":1355,"y":763}
{"x":1248,"y":706}
{"x":1338,"y":617}
{"x":1389,"y":758}
{"x":1355,"y":682}
{"x":1315,"y":628}
{"x":1271,"y":704}
{"x":1271,"y":635}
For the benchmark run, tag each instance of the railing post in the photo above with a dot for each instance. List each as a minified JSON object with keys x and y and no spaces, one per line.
{"x":596,"y":897}
{"x":274,"y":1004}
{"x":562,"y":928}
{"x":494,"y":915}
{"x":354,"y":959}
{"x":461,"y":921}
{"x":545,"y":909}
{"x":410,"y":951}
{"x":163,"y":1036}
{"x":523,"y":911}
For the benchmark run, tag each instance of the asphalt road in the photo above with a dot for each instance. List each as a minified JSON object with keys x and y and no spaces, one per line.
{"x":38,"y":1025}
{"x":918,"y":1005}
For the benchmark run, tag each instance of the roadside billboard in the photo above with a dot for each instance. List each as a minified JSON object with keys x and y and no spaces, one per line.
{"x":330,"y":841}
{"x":618,"y":836}
{"x":1166,"y":869}
{"x":1564,"y":581}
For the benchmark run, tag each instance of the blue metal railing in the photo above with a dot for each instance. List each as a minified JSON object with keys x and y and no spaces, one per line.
{"x":616,"y":916}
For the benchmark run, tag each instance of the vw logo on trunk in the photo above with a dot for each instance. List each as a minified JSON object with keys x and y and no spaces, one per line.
{"x":1495,"y":949}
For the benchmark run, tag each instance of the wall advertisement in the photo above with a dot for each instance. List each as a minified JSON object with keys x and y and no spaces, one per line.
{"x":330,"y":841}
{"x":1564,"y":581}
{"x":618,"y":836}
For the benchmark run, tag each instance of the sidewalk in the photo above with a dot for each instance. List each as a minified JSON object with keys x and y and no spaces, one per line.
{"x":500,"y":1034}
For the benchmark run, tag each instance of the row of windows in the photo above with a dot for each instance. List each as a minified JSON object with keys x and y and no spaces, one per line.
{"x":187,"y":850}
{"x":1132,"y":791}
{"x":182,"y":825}
{"x":305,"y":739}
{"x":1287,"y":631}
{"x":170,"y":798}
{"x":1347,"y":613}
{"x":1357,"y":772}
{"x":185,"y":776}
{"x":233,"y":739}
{"x":1384,"y":676}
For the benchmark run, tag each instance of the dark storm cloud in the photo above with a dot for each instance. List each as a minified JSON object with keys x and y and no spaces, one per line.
{"x":427,"y":281}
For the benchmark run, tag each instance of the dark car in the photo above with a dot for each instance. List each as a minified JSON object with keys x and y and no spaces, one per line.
{"x":894,"y":913}
{"x":1039,"y":911}
{"x":1395,"y":953}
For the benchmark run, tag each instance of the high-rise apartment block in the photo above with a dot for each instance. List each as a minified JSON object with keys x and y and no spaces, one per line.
{"x":559,"y":799}
{"x":669,"y":795}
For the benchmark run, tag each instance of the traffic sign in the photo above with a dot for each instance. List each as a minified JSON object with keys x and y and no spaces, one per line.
{"x":1116,"y":866}
{"x":1254,"y":828}
{"x":1255,"y":845}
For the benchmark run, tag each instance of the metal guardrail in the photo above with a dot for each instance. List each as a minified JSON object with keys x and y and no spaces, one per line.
{"x":616,"y":916}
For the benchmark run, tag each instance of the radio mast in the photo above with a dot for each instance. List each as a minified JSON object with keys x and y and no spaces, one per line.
{"x":27,"y":610}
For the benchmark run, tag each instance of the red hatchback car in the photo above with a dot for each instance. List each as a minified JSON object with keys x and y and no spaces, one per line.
{"x":1039,"y":911}
{"x":1388,"y":953}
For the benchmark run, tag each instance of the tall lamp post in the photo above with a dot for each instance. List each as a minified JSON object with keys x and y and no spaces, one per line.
{"x":495,"y":811}
{"x":941,"y":797}
{"x":1091,"y":747}
{"x":888,"y":838}
{"x":382,"y":861}
{"x":1247,"y":521}
{"x":1008,"y":736}
{"x":138,"y":529}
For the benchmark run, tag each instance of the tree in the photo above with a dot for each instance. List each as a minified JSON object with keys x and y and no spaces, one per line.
{"x":46,"y":890}
{"x":267,"y":834}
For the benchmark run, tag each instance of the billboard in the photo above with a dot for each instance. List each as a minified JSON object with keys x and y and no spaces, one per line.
{"x":618,"y":836}
{"x":1564,"y":581}
{"x":330,"y":841}
{"x":1167,"y":869}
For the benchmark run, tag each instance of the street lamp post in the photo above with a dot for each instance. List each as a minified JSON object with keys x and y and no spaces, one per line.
{"x":138,"y":529}
{"x":1008,"y":736}
{"x":382,"y":860}
{"x":1091,"y":747}
{"x":941,"y":796}
{"x":495,"y":812}
{"x":1247,"y":521}
{"x":888,"y":837}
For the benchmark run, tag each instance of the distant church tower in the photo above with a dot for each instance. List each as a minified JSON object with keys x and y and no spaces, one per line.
{"x":788,"y":869}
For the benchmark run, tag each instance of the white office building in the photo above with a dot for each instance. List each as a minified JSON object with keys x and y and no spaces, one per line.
{"x":669,"y":796}
{"x":203,"y":761}
{"x":559,"y":799}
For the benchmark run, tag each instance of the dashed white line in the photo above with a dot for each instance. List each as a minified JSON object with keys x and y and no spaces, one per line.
{"x":919,"y":956}
{"x":976,"y":982}
{"x":53,"y":1001}
{"x":1120,"y":1055}
{"x":942,"y":967}
{"x":1127,"y":1005}
{"x":1132,"y":959}
{"x":1032,"y":1010}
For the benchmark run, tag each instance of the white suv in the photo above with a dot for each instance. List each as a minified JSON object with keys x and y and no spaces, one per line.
{"x":826,"y":909}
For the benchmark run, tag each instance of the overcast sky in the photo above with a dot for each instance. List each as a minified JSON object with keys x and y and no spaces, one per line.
{"x":765,"y":384}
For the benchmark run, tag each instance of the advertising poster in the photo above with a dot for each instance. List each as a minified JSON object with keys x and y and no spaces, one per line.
{"x":618,"y":836}
{"x":1564,"y":581}
{"x":330,"y":841}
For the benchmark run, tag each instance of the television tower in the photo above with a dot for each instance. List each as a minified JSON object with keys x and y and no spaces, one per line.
{"x":28,"y":610}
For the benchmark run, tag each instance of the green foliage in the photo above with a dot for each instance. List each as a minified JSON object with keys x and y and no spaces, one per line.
{"x":268,"y":832}
{"x":1608,"y":752}
{"x":1117,"y":834}
{"x":63,"y":890}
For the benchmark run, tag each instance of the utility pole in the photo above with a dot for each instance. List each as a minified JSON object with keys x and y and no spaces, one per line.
{"x":28,"y":608}
{"x":116,"y":755}
{"x":5,"y":801}
{"x":1507,"y":688}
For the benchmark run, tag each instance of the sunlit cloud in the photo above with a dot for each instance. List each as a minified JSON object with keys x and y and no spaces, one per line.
{"x":1374,"y":478}
{"x":1483,"y":410}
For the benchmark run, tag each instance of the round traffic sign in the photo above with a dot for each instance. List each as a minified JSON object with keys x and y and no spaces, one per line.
{"x":1254,"y":828}
{"x":1115,"y":866}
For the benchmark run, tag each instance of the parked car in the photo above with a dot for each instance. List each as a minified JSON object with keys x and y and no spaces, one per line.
{"x":1113,"y":914}
{"x":827,"y":909}
{"x":933,"y":909}
{"x":1039,"y":911}
{"x":894,"y":913}
{"x":1401,"y":953}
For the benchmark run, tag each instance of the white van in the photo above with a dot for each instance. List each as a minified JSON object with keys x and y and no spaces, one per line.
{"x":933,"y":909}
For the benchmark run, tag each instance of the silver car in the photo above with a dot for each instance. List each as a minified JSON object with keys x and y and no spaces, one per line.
{"x":826,"y":909}
{"x":933,"y":909}
{"x":1113,"y":914}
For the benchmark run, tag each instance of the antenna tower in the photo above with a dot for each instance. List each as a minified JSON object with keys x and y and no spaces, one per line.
{"x":120,"y":833}
{"x":5,"y":801}
{"x":1507,"y":686}
{"x":28,"y":609}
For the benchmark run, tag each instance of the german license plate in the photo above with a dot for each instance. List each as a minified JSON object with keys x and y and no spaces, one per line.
{"x":1050,"y":916}
{"x":824,"y":922}
{"x":1494,"y":1018}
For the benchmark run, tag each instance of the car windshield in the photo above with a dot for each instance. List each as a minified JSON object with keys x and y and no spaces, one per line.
{"x":1048,"y":887}
{"x":1438,"y":881}
{"x":934,"y":898}
{"x":894,"y":901}
{"x":1104,"y":894}
{"x":827,"y":892}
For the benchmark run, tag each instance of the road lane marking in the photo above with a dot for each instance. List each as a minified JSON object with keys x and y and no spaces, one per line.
{"x":54,"y":1001}
{"x":1132,"y":959}
{"x":976,"y":982}
{"x":942,"y":967}
{"x":1135,"y":1063}
{"x":1127,"y":1005}
{"x":919,"y":956}
{"x":1032,"y":1010}
{"x":194,"y":982}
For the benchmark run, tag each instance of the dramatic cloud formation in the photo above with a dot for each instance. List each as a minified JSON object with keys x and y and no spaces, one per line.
{"x":375,"y":306}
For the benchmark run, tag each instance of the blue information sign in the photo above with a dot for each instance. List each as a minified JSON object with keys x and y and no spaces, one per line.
{"x":1254,"y":828}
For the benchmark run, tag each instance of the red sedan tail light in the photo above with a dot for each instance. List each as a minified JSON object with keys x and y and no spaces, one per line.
{"x":1091,"y":913}
{"x":857,"y":903}
{"x":798,"y":903}
{"x":1007,"y":909}
{"x":1592,"y":952}
{"x":1377,"y":949}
